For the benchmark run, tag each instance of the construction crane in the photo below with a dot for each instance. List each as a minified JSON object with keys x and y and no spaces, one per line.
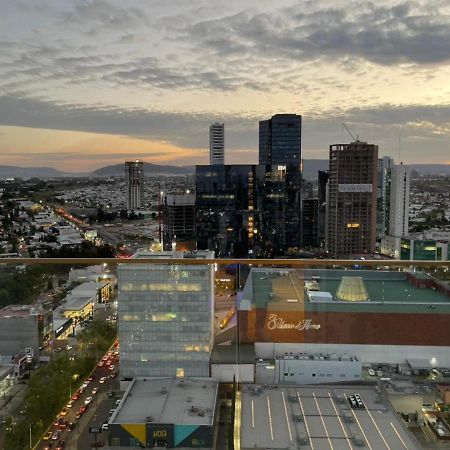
{"x":350,"y":133}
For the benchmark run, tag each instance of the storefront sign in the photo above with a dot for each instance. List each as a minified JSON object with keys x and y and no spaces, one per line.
{"x":278,"y":323}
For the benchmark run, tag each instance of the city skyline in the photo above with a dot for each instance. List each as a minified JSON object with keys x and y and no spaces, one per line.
{"x":88,"y":84}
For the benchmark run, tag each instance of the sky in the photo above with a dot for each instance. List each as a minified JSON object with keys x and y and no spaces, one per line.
{"x":89,"y":83}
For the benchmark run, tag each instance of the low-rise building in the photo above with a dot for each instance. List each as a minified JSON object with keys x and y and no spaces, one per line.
{"x":167,"y":413}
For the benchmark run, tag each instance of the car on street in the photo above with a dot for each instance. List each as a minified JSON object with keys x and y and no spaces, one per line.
{"x":48,"y":446}
{"x":78,"y":415}
{"x":111,"y":367}
{"x":108,"y":363}
{"x":85,"y":384}
{"x":95,"y":390}
{"x":112,"y":375}
{"x":75,"y":396}
{"x":60,"y":445}
{"x":91,"y":378}
{"x":64,"y":412}
{"x":70,"y":404}
{"x":100,"y":364}
{"x":55,"y":435}
{"x":102,"y":380}
{"x":105,"y":426}
{"x":83,"y":408}
{"x":371,"y":372}
{"x":88,"y":400}
{"x":47,"y":436}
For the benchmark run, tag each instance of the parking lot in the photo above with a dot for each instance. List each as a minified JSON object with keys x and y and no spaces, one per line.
{"x":320,"y":419}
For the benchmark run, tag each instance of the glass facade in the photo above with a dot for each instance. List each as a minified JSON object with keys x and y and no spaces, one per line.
{"x":165,"y":317}
{"x":280,"y":140}
{"x":248,"y":210}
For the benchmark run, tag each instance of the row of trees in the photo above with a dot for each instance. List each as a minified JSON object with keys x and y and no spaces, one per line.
{"x":50,"y":386}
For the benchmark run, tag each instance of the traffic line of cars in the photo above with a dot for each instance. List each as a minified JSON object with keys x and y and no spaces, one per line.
{"x":60,"y":424}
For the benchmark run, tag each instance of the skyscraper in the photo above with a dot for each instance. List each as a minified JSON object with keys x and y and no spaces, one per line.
{"x":216,"y":143}
{"x":399,"y":201}
{"x":280,"y":140}
{"x":134,"y":185}
{"x":352,"y":199}
{"x":383,"y":194}
{"x":179,"y":220}
{"x":166,"y":315}
{"x":247,"y":210}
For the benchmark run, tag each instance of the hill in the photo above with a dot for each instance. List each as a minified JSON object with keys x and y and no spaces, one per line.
{"x":117,"y":170}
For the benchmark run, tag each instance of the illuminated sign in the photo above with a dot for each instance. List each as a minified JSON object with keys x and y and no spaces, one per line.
{"x":160,"y":433}
{"x":278,"y":323}
{"x":355,"y":187}
{"x":353,"y":225}
{"x":281,"y":168}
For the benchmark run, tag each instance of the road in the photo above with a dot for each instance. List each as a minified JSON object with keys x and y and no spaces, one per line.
{"x":84,"y":421}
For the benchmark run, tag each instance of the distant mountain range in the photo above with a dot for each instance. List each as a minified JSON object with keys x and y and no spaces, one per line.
{"x":149,"y":169}
{"x":310,"y":168}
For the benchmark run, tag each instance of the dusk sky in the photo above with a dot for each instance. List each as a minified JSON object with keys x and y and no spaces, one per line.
{"x":89,"y":83}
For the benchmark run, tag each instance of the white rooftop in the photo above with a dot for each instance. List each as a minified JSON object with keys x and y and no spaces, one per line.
{"x":181,"y":401}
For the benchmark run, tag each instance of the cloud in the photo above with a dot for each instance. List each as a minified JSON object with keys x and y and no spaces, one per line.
{"x":385,"y":35}
{"x":420,"y":126}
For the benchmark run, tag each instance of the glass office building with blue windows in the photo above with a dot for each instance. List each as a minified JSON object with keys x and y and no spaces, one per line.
{"x":165,"y":317}
{"x":280,"y":140}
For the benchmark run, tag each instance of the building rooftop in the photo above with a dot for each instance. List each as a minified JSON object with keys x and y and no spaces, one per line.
{"x":180,"y":401}
{"x":284,"y":289}
{"x":19,"y":311}
{"x":311,"y":417}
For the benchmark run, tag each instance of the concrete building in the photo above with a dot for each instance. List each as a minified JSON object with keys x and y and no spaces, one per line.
{"x":165,"y":316}
{"x":19,"y":330}
{"x":178,"y":219}
{"x":166,"y":413}
{"x":280,"y":140}
{"x":134,"y":185}
{"x":281,"y":312}
{"x":217,"y":143}
{"x":315,"y":368}
{"x":352,"y":210}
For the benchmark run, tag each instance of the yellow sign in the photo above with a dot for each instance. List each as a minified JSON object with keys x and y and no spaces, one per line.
{"x":159,"y":433}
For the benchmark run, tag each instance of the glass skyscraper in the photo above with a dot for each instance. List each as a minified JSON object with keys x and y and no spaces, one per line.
{"x":166,"y":317}
{"x":280,"y":140}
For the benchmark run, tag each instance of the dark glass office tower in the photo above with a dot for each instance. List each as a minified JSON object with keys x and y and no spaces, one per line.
{"x":228,"y":199}
{"x":280,"y":140}
{"x":247,"y":210}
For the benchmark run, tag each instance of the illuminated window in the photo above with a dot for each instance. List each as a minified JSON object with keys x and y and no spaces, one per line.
{"x":353,"y":225}
{"x":180,"y":372}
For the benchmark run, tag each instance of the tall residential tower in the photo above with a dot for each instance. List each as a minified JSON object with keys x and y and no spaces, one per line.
{"x":134,"y":185}
{"x":217,"y":143}
{"x":352,"y":210}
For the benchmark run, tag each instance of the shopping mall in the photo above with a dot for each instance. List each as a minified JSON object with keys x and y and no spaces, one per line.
{"x":378,"y":316}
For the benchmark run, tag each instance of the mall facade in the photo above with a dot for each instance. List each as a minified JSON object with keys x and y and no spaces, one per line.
{"x":379,"y":316}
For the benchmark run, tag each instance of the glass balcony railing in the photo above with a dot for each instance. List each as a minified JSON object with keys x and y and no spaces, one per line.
{"x":250,"y":324}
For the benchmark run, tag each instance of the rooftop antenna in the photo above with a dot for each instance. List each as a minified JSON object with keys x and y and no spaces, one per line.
{"x":350,"y":133}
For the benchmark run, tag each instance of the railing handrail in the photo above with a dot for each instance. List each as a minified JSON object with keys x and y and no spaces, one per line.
{"x":225,"y":261}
